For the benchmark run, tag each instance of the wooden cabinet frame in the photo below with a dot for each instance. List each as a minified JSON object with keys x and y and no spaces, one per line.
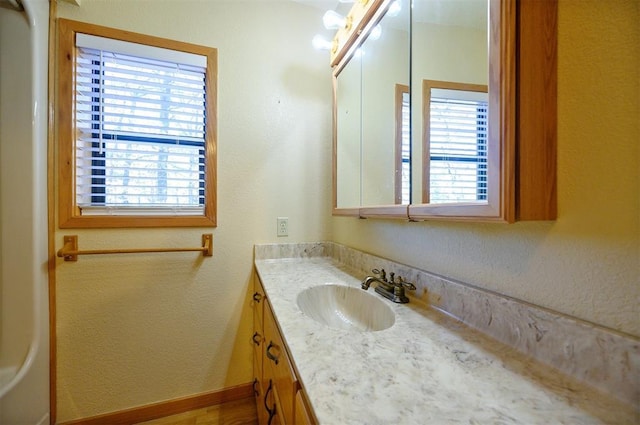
{"x":523,"y":124}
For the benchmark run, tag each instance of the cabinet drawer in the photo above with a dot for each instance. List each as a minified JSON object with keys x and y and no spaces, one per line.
{"x":277,"y":366}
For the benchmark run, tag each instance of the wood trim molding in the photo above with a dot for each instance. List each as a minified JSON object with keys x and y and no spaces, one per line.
{"x":51,"y":212}
{"x":537,"y":132}
{"x":69,"y":214}
{"x":167,"y":408}
{"x":401,"y":89}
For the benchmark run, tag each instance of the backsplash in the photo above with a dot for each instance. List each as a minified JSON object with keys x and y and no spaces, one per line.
{"x":601,"y":357}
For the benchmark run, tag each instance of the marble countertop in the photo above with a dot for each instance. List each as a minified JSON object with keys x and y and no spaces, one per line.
{"x":427,"y":368}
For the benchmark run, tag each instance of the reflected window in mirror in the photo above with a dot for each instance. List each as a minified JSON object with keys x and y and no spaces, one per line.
{"x":455,"y":142}
{"x":403,"y":145}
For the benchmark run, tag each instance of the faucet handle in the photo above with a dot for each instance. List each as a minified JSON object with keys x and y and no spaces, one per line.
{"x":381,"y":272}
{"x":405,"y":284}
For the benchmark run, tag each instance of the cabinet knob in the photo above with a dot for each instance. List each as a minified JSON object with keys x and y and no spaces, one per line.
{"x":257,"y":297}
{"x":255,"y":391}
{"x":256,"y":338}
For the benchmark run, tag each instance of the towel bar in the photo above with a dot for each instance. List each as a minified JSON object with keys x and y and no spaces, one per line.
{"x":70,"y":251}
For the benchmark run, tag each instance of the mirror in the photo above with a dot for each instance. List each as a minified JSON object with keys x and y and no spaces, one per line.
{"x":371,"y":114}
{"x":449,"y":65}
{"x":348,"y":119}
{"x":385,"y":66}
{"x":440,"y":166}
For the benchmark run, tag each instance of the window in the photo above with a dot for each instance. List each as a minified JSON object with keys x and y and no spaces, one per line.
{"x":403,"y":146}
{"x":136,"y":130}
{"x":457,"y":143}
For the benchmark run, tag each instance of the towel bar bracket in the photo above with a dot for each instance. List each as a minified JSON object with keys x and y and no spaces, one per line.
{"x":71,"y":244}
{"x":207,"y":244}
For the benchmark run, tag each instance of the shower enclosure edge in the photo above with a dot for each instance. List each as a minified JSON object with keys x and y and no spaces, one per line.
{"x":24,"y":341}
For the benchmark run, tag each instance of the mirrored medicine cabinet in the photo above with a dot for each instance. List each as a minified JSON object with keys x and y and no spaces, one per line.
{"x":445,"y":109}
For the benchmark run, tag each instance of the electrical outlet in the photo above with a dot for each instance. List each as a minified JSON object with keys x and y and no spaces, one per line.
{"x":283,"y":226}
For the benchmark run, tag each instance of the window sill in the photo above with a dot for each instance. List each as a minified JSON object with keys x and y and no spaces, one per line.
{"x":123,"y":221}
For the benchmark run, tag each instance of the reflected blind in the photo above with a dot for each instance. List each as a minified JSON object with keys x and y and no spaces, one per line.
{"x":458,"y":149}
{"x":406,"y":150}
{"x":140,"y":129}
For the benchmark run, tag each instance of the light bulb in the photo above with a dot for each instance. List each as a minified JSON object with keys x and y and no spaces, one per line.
{"x":394,"y":8}
{"x":319,"y":43}
{"x":376,"y":32}
{"x":332,"y":20}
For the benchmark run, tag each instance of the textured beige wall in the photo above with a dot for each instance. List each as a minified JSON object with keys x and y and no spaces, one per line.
{"x":140,"y":329}
{"x":586,"y":263}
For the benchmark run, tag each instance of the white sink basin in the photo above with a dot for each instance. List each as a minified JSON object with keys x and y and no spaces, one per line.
{"x":345,"y":307}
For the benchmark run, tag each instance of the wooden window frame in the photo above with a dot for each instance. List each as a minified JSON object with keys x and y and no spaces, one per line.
{"x":69,"y":214}
{"x":427,"y":86}
{"x":401,"y":89}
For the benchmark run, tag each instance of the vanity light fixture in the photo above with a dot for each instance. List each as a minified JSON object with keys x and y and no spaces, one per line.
{"x":332,"y":20}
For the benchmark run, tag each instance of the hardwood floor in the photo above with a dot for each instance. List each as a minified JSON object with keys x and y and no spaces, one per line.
{"x":239,"y":412}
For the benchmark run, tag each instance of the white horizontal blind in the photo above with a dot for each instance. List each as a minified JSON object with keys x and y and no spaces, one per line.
{"x":458,"y":147}
{"x":406,"y":150}
{"x":140,"y":124}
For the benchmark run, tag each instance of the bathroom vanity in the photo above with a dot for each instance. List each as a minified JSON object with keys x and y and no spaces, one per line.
{"x":428,"y":366}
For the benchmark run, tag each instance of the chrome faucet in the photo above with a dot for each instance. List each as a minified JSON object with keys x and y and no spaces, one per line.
{"x":392,"y":288}
{"x":369,"y":279}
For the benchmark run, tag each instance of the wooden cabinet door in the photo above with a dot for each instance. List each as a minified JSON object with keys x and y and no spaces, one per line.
{"x":276,"y":386}
{"x":277,"y":361}
{"x":302,"y":412}
{"x":272,"y":406}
